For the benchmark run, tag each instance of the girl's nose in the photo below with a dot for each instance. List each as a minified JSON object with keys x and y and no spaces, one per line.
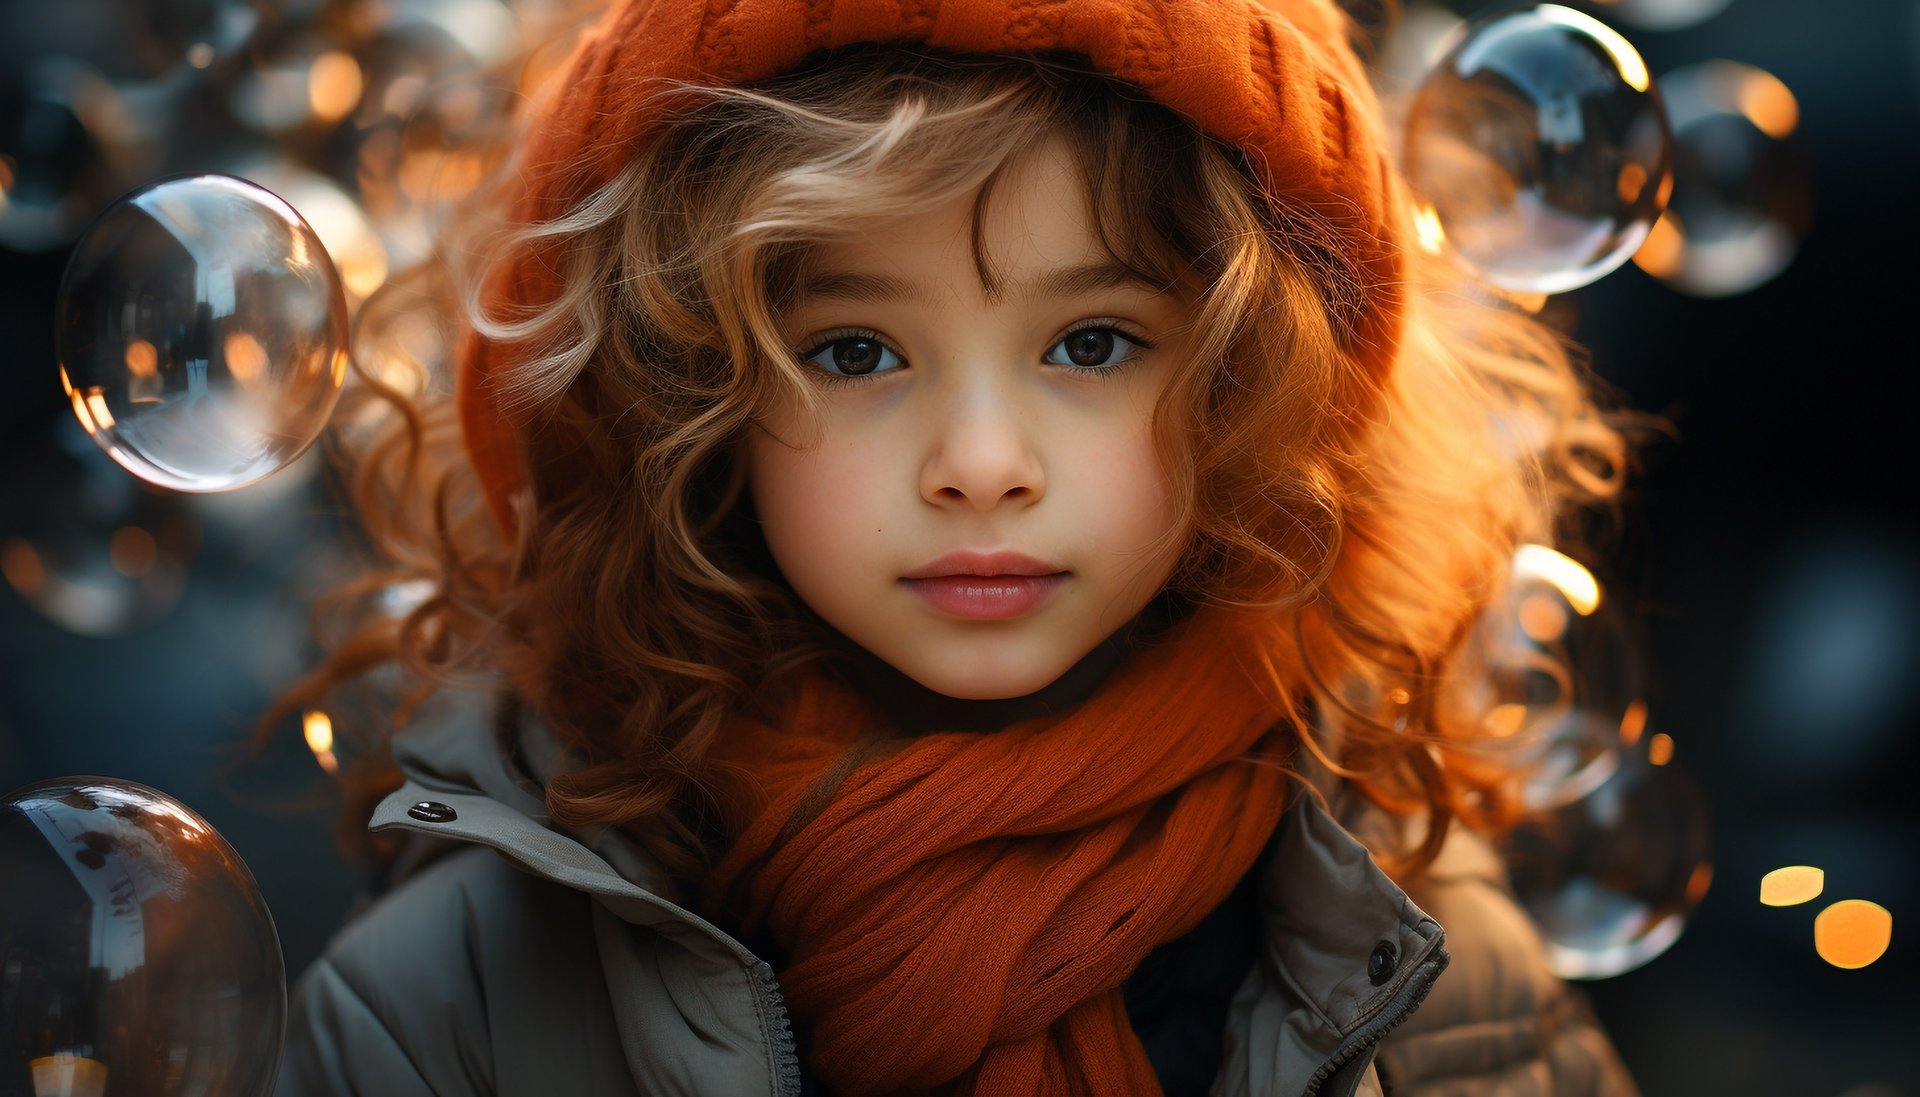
{"x":982,"y":452}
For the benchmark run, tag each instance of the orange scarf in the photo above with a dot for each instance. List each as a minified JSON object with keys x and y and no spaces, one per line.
{"x":961,"y":914}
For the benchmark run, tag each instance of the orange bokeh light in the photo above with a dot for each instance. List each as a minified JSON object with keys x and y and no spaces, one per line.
{"x":1852,"y":933}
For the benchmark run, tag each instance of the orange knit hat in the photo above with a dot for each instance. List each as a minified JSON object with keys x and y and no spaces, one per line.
{"x":1278,"y":79}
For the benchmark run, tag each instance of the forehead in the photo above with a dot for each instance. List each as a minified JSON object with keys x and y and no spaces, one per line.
{"x":1032,"y":235}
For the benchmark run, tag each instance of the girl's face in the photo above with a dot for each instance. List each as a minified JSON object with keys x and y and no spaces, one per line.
{"x":960,"y":422}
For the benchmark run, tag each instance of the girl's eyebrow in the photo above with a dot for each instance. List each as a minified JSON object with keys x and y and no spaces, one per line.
{"x":1059,"y":282}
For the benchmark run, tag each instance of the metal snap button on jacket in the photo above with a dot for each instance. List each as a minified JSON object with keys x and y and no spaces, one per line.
{"x":433,"y":811}
{"x":1380,"y":965}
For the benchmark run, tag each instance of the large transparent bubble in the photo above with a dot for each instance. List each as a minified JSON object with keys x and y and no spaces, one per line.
{"x":1612,"y":877}
{"x":140,"y":958}
{"x":1538,"y":150}
{"x":1742,"y":190}
{"x":202,"y":330}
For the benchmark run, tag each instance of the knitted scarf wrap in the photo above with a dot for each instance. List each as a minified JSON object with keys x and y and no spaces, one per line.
{"x":961,"y":914}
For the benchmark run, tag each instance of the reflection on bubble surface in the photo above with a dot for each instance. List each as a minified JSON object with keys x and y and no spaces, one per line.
{"x":1538,"y":149}
{"x":202,"y":331}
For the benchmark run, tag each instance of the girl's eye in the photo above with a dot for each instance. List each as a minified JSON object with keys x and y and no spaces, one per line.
{"x":847,"y":356}
{"x":1097,"y":347}
{"x":859,"y":354}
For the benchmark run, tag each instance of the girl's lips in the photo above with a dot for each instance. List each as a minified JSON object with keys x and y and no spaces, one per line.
{"x":986,"y":597}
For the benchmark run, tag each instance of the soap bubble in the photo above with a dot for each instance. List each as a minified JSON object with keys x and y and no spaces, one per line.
{"x":140,"y":957}
{"x":1538,"y":148}
{"x":202,"y":331}
{"x":1667,"y":14}
{"x":1742,"y":194}
{"x":1562,"y":679}
{"x":54,"y":167}
{"x":1610,"y":855}
{"x":131,"y":40}
{"x":93,"y":550}
{"x":1612,"y":877}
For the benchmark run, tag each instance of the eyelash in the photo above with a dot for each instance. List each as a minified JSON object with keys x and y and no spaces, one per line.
{"x":1141,"y":344}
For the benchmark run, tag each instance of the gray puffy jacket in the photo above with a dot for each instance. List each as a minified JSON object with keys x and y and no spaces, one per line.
{"x":523,"y":959}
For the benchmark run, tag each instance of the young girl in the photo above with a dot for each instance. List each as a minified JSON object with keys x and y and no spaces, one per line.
{"x":970,"y":518}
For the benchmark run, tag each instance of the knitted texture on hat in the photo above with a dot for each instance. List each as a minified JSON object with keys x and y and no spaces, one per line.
{"x":1276,"y":79}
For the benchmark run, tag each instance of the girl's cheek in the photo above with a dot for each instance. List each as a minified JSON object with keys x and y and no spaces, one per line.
{"x":811,"y":501}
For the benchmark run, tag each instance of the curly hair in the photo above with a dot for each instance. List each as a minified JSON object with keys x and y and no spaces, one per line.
{"x":636,"y":604}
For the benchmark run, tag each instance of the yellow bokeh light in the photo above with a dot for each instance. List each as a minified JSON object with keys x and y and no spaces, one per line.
{"x":1664,"y":249}
{"x":1560,"y":571}
{"x":142,"y":360}
{"x":1505,"y":721}
{"x":1660,"y":748}
{"x":436,"y":176}
{"x":364,"y":270}
{"x":1852,"y":933}
{"x":246,"y":359}
{"x":318,"y":728}
{"x":1792,"y":885}
{"x":1767,"y":103}
{"x":333,"y":85}
{"x":1427,"y":231}
{"x":1543,"y":618}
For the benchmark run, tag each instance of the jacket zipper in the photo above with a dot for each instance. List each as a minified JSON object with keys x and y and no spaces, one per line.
{"x":1369,"y":1034}
{"x":786,"y":1058}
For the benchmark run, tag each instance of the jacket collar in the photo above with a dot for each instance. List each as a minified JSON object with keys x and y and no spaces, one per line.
{"x":1327,"y":908}
{"x":1346,"y":954}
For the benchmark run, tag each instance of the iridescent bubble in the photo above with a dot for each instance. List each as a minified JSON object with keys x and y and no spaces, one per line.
{"x":1743,"y":195}
{"x":202,"y":333}
{"x":140,"y":955}
{"x":1538,"y":149}
{"x":1612,"y":877}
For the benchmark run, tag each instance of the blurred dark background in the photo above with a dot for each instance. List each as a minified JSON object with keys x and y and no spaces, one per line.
{"x":1770,"y":556}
